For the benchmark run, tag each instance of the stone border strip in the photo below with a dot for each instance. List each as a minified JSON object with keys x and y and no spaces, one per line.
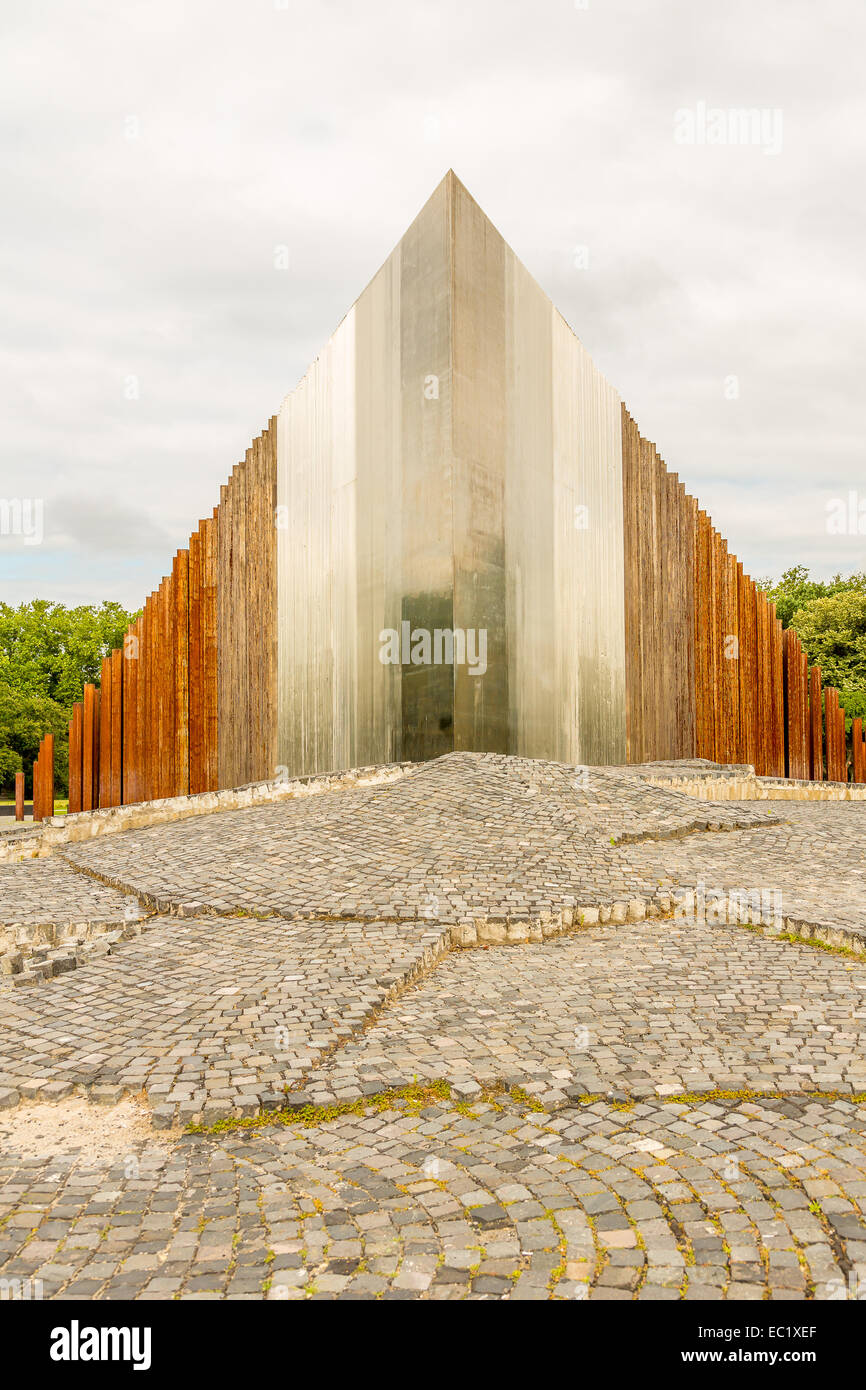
{"x":676,"y":905}
{"x":699,"y":826}
{"x":40,"y":842}
{"x":746,"y":786}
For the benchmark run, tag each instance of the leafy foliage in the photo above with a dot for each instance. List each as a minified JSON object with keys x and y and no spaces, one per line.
{"x":10,"y":763}
{"x":24,"y":720}
{"x":49,"y":649}
{"x":833,"y":632}
{"x":829,"y":617}
{"x":795,"y":591}
{"x":47,"y":654}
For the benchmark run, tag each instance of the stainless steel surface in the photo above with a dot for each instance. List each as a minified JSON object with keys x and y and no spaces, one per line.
{"x":429,"y":468}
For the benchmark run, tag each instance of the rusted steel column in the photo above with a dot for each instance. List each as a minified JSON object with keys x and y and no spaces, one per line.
{"x":837,"y":770}
{"x":129,"y":765}
{"x":43,"y":780}
{"x":859,"y":750}
{"x":116,"y":733}
{"x":46,"y":768}
{"x":211,"y":657}
{"x":816,"y":741}
{"x":180,"y":666}
{"x":75,"y":758}
{"x":106,"y":696}
{"x":89,"y":748}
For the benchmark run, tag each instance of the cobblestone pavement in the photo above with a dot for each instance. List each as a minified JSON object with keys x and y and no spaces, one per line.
{"x":649,"y":1109}
{"x":53,"y":919}
{"x":49,"y":891}
{"x":209,"y":1016}
{"x":815,"y":861}
{"x":467,"y":834}
{"x":738,"y":1200}
{"x":479,"y":835}
{"x":641,"y":1009}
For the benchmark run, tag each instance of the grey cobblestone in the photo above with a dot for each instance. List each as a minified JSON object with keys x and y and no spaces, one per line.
{"x":464,"y":836}
{"x":53,"y":918}
{"x":215,"y":1015}
{"x":647,"y":1009}
{"x":344,"y":1208}
{"x":306,"y":944}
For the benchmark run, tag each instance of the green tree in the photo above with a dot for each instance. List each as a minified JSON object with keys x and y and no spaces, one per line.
{"x":833,"y":632}
{"x":48,"y":652}
{"x":10,"y":763}
{"x":49,"y":649}
{"x":829,"y":617}
{"x":24,"y":720}
{"x":795,"y":590}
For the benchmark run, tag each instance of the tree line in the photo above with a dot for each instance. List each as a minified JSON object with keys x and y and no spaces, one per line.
{"x":47,"y":653}
{"x":829,"y":617}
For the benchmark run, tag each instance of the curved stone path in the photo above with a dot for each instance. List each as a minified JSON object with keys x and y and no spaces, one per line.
{"x":656,"y":1107}
{"x":717,"y":1200}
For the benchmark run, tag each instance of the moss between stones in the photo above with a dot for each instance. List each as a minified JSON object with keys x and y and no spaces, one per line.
{"x":417,"y":1097}
{"x":819,"y":945}
{"x":701,"y":1097}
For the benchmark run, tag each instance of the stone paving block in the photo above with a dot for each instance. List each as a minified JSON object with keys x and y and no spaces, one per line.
{"x":560,"y":1167}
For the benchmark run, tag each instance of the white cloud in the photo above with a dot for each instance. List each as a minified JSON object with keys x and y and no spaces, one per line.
{"x":324,"y":127}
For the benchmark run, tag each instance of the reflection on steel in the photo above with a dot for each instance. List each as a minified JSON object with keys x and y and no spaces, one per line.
{"x":452,"y":460}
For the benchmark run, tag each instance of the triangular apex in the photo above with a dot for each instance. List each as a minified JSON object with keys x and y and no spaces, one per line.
{"x":438,"y":459}
{"x":453,"y":208}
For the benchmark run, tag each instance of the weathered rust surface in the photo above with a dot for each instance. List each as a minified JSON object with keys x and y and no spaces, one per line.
{"x":76,"y":757}
{"x":858,"y":750}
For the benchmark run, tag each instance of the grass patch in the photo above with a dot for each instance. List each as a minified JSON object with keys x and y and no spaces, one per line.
{"x":417,"y":1097}
{"x":521,"y":1097}
{"x":411,"y":1098}
{"x":820,"y":945}
{"x":701,"y":1097}
{"x":414,"y":1097}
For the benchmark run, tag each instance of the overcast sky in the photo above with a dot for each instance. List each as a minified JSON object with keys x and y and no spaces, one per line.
{"x":155,"y":154}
